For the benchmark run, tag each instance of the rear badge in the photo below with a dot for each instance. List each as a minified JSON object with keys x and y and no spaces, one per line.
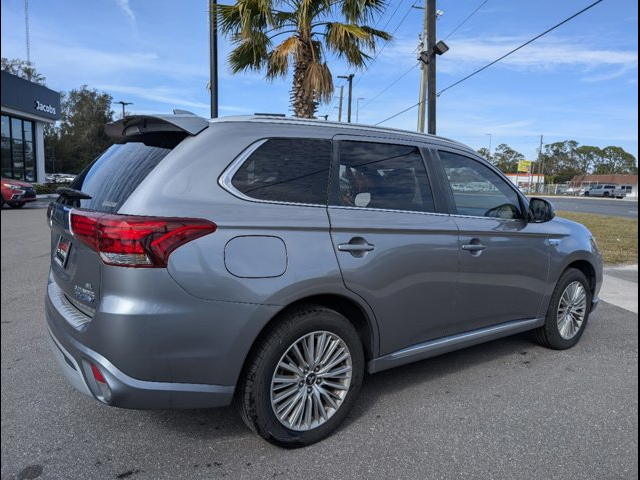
{"x":62,"y":252}
{"x":85,"y":294}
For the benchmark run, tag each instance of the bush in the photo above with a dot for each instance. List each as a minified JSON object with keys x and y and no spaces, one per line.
{"x":47,"y":188}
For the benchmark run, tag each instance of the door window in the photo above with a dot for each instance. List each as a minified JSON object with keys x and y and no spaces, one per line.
{"x":384,"y":176}
{"x":478,"y":191}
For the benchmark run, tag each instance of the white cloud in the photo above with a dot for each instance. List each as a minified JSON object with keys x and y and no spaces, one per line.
{"x":126,"y":8}
{"x":546,"y":54}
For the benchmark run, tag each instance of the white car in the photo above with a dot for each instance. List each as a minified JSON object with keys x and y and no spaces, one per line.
{"x":602,"y":190}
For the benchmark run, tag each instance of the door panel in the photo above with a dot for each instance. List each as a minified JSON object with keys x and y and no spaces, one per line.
{"x":506,"y":279}
{"x":410,"y":275}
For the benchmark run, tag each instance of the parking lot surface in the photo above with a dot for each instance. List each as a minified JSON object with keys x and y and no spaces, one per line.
{"x":504,"y":410}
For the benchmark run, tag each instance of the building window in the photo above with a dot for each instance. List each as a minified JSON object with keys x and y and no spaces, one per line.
{"x":18,"y":154}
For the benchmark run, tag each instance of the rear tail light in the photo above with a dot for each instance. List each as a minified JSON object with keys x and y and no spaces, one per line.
{"x":132,"y":241}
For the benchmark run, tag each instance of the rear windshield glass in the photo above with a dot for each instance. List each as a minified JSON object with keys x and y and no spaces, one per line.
{"x":113,"y":176}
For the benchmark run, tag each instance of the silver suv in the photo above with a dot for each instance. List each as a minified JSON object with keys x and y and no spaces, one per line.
{"x":273,"y":261}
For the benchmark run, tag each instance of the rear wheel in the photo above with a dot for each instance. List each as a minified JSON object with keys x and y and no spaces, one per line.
{"x":568,"y":312}
{"x":16,"y":204}
{"x":303,"y":377}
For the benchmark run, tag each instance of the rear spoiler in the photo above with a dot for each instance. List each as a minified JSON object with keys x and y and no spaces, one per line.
{"x":135,"y":127}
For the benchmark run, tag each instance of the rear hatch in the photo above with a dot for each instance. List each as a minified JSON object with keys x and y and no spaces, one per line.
{"x":87,"y":233}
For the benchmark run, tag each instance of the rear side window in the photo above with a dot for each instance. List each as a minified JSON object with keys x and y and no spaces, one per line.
{"x":385,"y":176}
{"x":291,"y":170}
{"x":113,"y":176}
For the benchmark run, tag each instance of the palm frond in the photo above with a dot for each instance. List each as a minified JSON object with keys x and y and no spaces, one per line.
{"x":279,"y":57}
{"x":250,"y":54}
{"x":349,"y":41}
{"x":318,"y":79}
{"x":360,"y":11}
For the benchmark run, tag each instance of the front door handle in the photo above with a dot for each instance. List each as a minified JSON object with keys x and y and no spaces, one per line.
{"x":473,"y":247}
{"x":357,"y":247}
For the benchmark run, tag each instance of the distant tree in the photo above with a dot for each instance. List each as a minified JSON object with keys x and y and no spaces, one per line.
{"x":22,"y":69}
{"x":587,"y":158}
{"x":308,"y":30}
{"x":484,"y":153}
{"x":561,"y":161}
{"x":506,"y":158}
{"x":80,"y":135}
{"x":615,"y":160}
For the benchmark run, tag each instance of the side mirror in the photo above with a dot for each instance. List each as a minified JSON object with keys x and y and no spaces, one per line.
{"x":541,"y":211}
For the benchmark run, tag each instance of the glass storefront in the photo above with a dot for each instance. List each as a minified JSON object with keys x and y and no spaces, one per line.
{"x":18,"y":154}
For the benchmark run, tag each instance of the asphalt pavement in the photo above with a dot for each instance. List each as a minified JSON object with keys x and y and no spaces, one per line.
{"x":627,"y":207}
{"x":507,"y":409}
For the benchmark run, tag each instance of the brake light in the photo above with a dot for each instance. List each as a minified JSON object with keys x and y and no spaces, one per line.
{"x":132,"y":241}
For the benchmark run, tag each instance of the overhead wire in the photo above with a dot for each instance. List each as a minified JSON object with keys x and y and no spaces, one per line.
{"x":537,"y":37}
{"x":466,"y":20}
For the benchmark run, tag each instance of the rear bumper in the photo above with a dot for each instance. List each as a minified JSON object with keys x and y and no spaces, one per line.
{"x":75,"y":361}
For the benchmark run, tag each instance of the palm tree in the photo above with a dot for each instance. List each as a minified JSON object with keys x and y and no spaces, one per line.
{"x":310,"y":29}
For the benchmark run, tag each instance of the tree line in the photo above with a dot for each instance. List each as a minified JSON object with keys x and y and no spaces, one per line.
{"x":561,"y":161}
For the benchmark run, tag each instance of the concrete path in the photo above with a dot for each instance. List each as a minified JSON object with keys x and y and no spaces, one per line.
{"x":620,"y":287}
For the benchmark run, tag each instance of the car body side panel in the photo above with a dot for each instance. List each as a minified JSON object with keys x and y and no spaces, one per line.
{"x":505,"y":282}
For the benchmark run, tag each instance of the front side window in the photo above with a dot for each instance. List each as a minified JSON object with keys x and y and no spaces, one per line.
{"x":290,"y":170}
{"x":385,"y":176}
{"x":477,"y":190}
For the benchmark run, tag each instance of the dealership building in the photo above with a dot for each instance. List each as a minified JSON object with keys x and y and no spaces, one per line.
{"x":26,"y":108}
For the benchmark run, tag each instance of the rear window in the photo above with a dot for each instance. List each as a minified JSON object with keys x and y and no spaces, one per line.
{"x":115,"y":174}
{"x":290,"y":170}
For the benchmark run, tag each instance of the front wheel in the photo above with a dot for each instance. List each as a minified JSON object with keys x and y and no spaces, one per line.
{"x":303,"y":377}
{"x":568,"y":312}
{"x":16,"y":204}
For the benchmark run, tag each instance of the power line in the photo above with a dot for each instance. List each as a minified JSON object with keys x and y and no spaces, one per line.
{"x":385,"y":44}
{"x":391,"y":85}
{"x":499,"y":59}
{"x":328,"y":112}
{"x":520,"y":47}
{"x":466,"y":19}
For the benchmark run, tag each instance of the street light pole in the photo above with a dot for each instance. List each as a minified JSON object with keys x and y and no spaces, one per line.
{"x":490,"y":138}
{"x":213,"y":56}
{"x":349,"y":78}
{"x":123,"y":105}
{"x":358,"y":109}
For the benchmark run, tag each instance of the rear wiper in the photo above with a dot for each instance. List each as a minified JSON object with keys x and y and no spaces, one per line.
{"x":72,"y":193}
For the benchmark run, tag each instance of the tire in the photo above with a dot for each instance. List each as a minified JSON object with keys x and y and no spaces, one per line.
{"x":587,"y":194}
{"x":258,"y":391}
{"x":606,"y":194}
{"x":16,"y":204}
{"x":573,"y":296}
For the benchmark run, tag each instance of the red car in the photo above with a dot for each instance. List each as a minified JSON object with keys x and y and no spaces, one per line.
{"x":16,"y":193}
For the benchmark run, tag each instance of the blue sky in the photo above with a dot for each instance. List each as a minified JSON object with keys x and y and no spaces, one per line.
{"x":580,"y":82}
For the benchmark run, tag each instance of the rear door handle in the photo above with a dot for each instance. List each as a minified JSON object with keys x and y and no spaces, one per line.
{"x":349,"y":247}
{"x":357,"y":246}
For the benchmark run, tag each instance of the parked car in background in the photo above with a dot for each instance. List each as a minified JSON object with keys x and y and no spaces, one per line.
{"x":603,"y":190}
{"x":272,"y":261}
{"x":621,"y":191}
{"x":17,"y":193}
{"x":59,"y":178}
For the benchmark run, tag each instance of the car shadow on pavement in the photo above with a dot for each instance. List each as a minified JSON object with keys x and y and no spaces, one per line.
{"x":225,"y":424}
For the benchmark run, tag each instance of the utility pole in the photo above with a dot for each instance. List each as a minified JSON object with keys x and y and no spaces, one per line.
{"x":349,"y":78}
{"x":341,"y":98}
{"x":540,"y":165}
{"x":124,"y":104}
{"x":213,"y":56}
{"x":428,"y":51}
{"x":422,"y":107}
{"x":430,"y":14}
